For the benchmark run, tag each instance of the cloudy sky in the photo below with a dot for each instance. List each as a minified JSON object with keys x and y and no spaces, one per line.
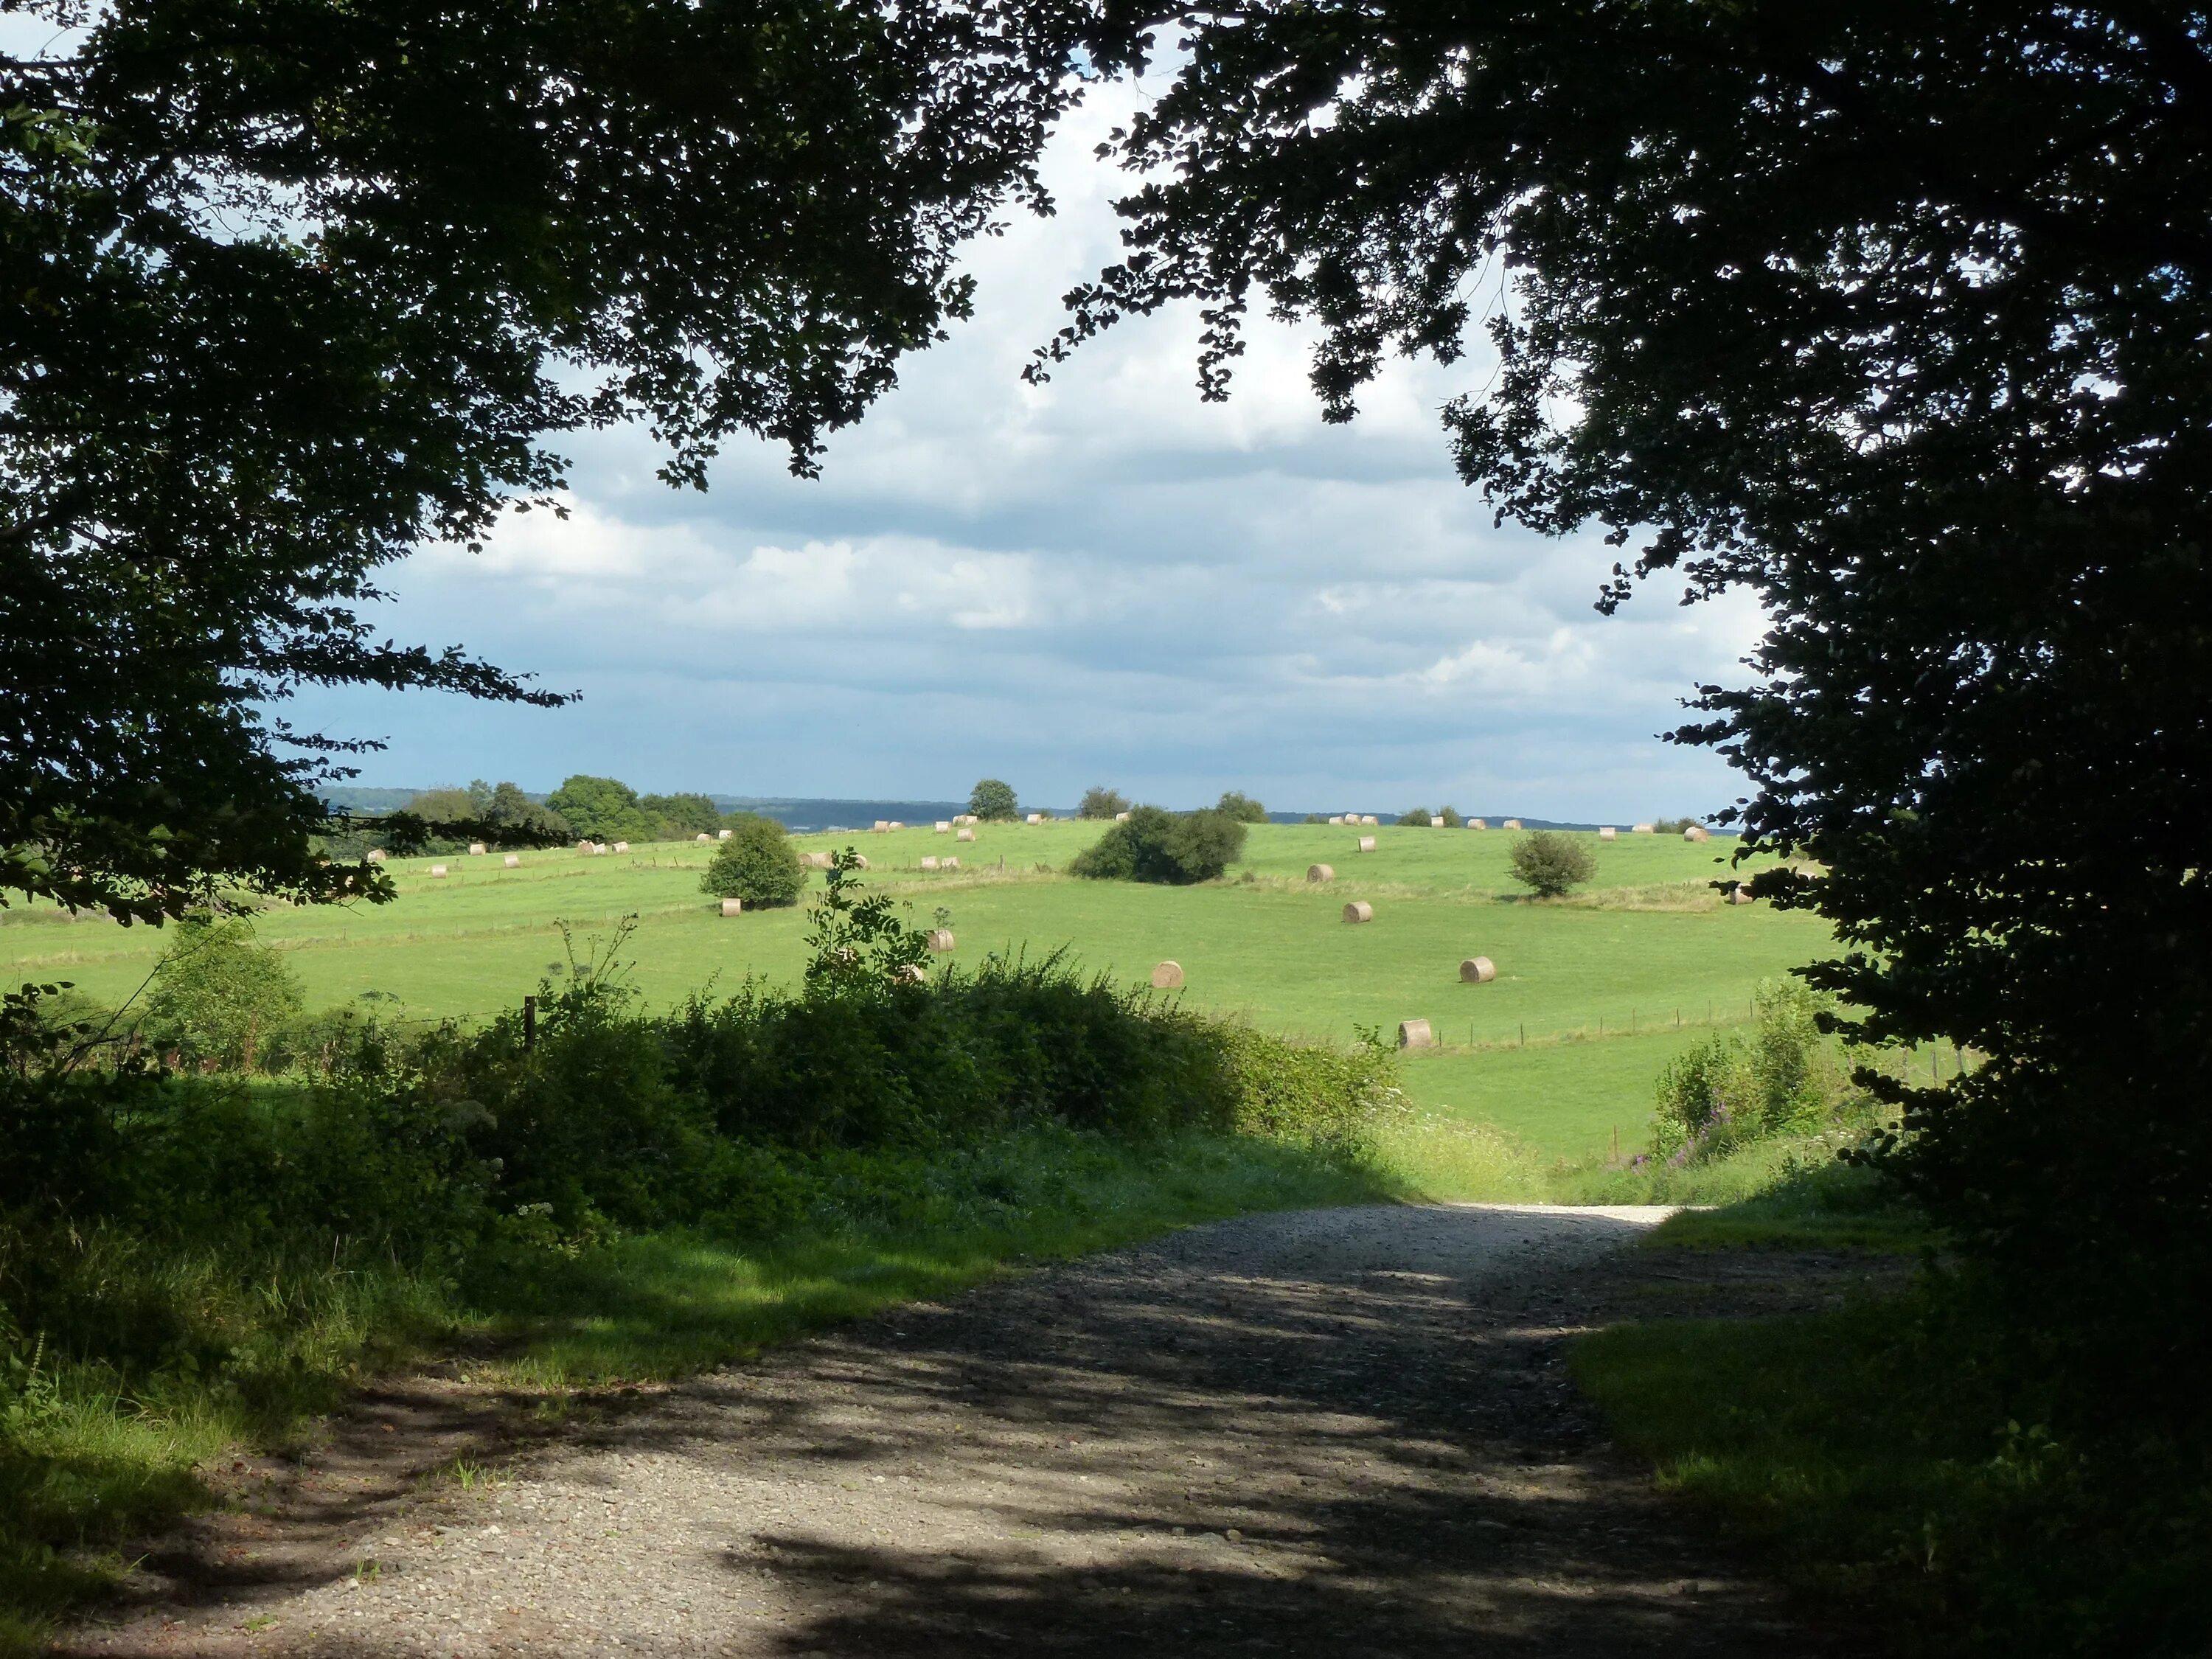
{"x":1100,"y":580}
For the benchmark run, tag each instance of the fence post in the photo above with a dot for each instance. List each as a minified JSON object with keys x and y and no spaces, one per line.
{"x":529,"y":1023}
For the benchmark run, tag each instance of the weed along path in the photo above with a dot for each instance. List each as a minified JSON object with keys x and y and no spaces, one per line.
{"x":1334,"y":1433}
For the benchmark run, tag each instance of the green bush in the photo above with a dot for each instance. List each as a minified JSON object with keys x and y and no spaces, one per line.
{"x":1416,"y":818}
{"x":1732,"y":1090}
{"x":1101,"y":802}
{"x":680,"y":818}
{"x":1549,"y":863}
{"x":1156,"y":845}
{"x":1451,"y":818}
{"x":1240,"y":806}
{"x":993,"y":800}
{"x":757,"y":864}
{"x":604,"y":809}
{"x":218,"y":999}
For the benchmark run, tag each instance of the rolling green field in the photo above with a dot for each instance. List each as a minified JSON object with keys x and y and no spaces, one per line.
{"x":1593,"y":995}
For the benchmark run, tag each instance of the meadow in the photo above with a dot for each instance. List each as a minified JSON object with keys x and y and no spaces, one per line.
{"x":1594,"y":993}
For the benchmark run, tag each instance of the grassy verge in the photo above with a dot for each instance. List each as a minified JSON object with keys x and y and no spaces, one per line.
{"x":1872,"y":1453}
{"x":90,"y":1459}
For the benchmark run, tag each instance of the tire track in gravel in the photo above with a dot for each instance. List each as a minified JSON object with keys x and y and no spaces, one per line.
{"x":1329,"y":1433}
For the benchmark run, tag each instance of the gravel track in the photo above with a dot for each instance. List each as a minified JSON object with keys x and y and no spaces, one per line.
{"x":1338,"y":1433}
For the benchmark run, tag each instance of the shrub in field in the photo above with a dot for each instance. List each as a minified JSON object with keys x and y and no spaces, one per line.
{"x":1732,"y":1090}
{"x":1451,"y":818}
{"x":680,"y":818}
{"x":758,"y":864}
{"x":1417,"y":818}
{"x":1158,"y":846}
{"x":1549,"y":863}
{"x":217,"y":998}
{"x":1240,"y":806}
{"x":604,"y":808}
{"x":992,"y":802}
{"x":1102,"y":803}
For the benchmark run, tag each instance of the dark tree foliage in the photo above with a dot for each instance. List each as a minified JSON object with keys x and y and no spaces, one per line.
{"x":758,"y":864}
{"x":603,"y":808}
{"x":1549,"y":863}
{"x":1899,"y":314}
{"x":682,"y":816}
{"x":1240,"y":806}
{"x":1100,"y":802}
{"x":1154,"y":844}
{"x":295,"y":286}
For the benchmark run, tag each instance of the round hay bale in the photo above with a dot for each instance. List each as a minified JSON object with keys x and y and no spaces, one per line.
{"x":1359,"y":910}
{"x":724,"y":835}
{"x":859,"y":860}
{"x":1512,"y":823}
{"x":940,"y":939}
{"x":1740,"y":894}
{"x":734,"y":907}
{"x":896,"y":824}
{"x":1121,"y":817}
{"x":1034,"y":818}
{"x":1338,"y":821}
{"x":814,"y":861}
{"x":476,"y":849}
{"x":948,"y":864}
{"x":1321,"y":872}
{"x":1697,"y":832}
{"x":1640,"y":829}
{"x":942,"y":827}
{"x":584,"y":845}
{"x":1476,"y":824}
{"x":1367,"y":843}
{"x":1477,"y":971}
{"x":703,"y":836}
{"x":1370,"y":819}
{"x":624,"y":846}
{"x":909,"y":974}
{"x":437,"y":869}
{"x":1609,"y":833}
{"x":882,"y":825}
{"x":1415,"y":1033}
{"x":1434,"y":822}
{"x":512,"y":862}
{"x":1168,"y":976}
{"x":375,"y":855}
{"x":930,"y":865}
{"x":963,"y":835}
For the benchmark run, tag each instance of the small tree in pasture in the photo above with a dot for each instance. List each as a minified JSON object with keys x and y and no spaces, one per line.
{"x":1158,"y":846}
{"x":1100,"y":802}
{"x":1548,"y":863}
{"x":1418,"y":817}
{"x":992,"y":802}
{"x":758,"y":864}
{"x":219,"y":997}
{"x":1240,"y":806}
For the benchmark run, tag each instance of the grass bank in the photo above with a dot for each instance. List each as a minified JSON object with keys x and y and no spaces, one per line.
{"x":1899,"y":1476}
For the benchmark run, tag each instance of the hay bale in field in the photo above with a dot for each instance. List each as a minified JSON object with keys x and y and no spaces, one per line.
{"x":881,"y":824}
{"x":1640,"y":829}
{"x":476,"y":849}
{"x":940,"y":939}
{"x":1367,"y":843}
{"x":584,"y":845}
{"x":438,"y":870}
{"x":942,"y":827}
{"x":963,"y":835}
{"x":908,"y":974}
{"x":1168,"y":976}
{"x":1607,"y":832}
{"x":1415,"y":1033}
{"x":1121,"y":817}
{"x":622,"y":847}
{"x":734,"y":907}
{"x":1697,"y":832}
{"x":375,"y":855}
{"x":929,"y":865}
{"x":1511,"y":823}
{"x":1034,"y":818}
{"x":724,"y":835}
{"x":1477,"y":971}
{"x":1359,"y":910}
{"x":1434,"y":822}
{"x":1337,"y":822}
{"x":859,"y":860}
{"x":1370,"y":819}
{"x":1478,"y":823}
{"x":703,"y":836}
{"x":1740,"y":894}
{"x":948,"y":864}
{"x":814,"y":861}
{"x":896,"y":824}
{"x":512,"y":862}
{"x":1321,"y":872}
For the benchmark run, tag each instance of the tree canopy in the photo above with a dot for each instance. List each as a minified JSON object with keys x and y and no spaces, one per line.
{"x":993,"y":800}
{"x":602,"y":809}
{"x":1897,"y":315}
{"x":296,"y":286}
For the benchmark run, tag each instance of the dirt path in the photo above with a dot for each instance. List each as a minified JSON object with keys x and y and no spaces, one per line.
{"x":1338,"y":1433}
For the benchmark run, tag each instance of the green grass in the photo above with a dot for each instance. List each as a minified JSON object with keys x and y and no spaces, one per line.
{"x":1272,"y":950}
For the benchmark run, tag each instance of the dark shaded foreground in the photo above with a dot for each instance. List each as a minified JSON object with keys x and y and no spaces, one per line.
{"x":1332,"y":1433}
